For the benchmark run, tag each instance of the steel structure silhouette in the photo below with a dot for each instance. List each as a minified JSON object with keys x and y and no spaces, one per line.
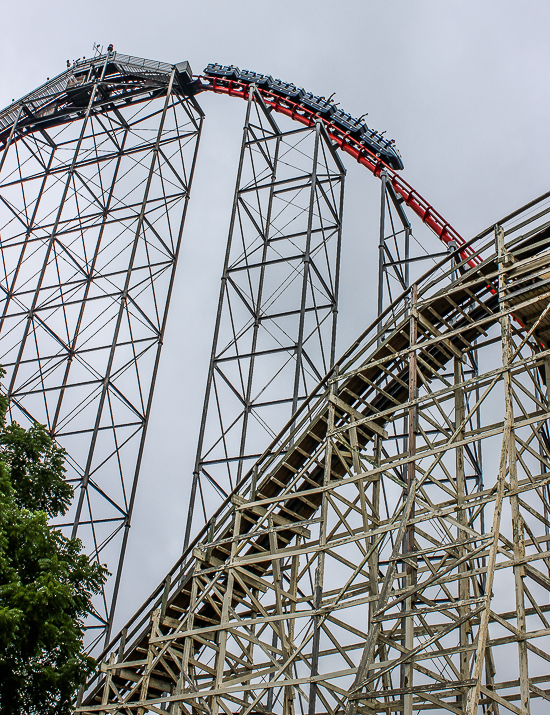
{"x":275,"y":331}
{"x":374,"y":530}
{"x":96,"y":170}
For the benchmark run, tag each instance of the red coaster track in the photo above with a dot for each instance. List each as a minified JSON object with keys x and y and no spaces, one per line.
{"x":354,"y":148}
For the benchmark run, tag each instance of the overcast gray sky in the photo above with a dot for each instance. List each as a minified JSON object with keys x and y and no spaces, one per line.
{"x":460,"y":85}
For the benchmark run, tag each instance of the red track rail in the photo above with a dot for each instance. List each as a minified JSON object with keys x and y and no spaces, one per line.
{"x":443,"y":230}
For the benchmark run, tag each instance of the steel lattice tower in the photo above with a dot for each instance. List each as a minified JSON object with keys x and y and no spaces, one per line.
{"x":95,"y":176}
{"x":275,"y":331}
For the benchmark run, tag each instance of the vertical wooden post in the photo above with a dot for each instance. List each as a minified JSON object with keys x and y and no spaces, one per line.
{"x":288,"y":706}
{"x":462,"y":519}
{"x":320,"y":570}
{"x":517,"y":519}
{"x":507,"y":437}
{"x":155,"y":619}
{"x":107,"y":684}
{"x":184,"y":676}
{"x":408,"y":541}
{"x":224,"y":619}
{"x":375,"y":521}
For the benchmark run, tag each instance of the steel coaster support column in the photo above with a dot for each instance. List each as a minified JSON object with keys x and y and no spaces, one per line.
{"x":306,"y":277}
{"x":154,"y":375}
{"x":393,"y":265}
{"x":67,"y":184}
{"x":196,"y":473}
{"x":274,"y":337}
{"x":395,"y":259}
{"x":397,"y":266}
{"x":91,"y":222}
{"x":393,"y":246}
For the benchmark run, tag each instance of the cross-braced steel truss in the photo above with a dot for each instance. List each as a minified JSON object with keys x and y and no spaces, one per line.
{"x":348,"y":574}
{"x":402,"y":260}
{"x":276,"y":324}
{"x":95,"y":176}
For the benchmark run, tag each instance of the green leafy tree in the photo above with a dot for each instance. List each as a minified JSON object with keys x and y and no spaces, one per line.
{"x":46,"y":583}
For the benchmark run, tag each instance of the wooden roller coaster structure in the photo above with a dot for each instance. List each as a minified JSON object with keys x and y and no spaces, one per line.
{"x":345,"y":575}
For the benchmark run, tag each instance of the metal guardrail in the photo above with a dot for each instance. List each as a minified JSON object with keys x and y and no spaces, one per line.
{"x":49,"y":90}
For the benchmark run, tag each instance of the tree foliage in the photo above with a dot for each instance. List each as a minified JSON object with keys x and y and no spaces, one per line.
{"x":46,"y":583}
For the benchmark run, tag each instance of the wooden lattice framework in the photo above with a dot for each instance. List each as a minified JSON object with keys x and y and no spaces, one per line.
{"x":346,"y":575}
